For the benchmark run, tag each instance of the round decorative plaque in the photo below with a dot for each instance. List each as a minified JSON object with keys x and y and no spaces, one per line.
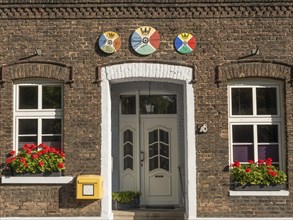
{"x":145,"y":40}
{"x":109,"y":42}
{"x":184,"y":43}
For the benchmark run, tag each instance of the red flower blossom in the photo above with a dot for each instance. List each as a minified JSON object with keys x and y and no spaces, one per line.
{"x":247,"y":170}
{"x":45,"y":150}
{"x":12,"y":152}
{"x":261,"y":161}
{"x":273,"y":173}
{"x":60,"y":165}
{"x":33,"y":146}
{"x":8,"y":160}
{"x":35,"y":156}
{"x":251,"y":161}
{"x":23,"y":160}
{"x":41,"y":163}
{"x":26,"y":146}
{"x":236,"y":163}
{"x":62,"y":154}
{"x":28,"y":151}
{"x":269,"y":161}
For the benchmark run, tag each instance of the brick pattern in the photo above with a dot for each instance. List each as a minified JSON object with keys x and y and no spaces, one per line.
{"x":220,"y":39}
{"x":146,"y":11}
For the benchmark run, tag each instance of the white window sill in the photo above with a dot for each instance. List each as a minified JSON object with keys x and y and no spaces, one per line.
{"x":36,"y":180}
{"x":259,"y":193}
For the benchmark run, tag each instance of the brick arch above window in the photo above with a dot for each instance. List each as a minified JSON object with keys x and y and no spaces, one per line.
{"x":36,"y":69}
{"x":250,"y":69}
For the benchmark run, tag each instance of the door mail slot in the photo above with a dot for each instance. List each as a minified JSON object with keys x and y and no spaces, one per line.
{"x":89,"y":187}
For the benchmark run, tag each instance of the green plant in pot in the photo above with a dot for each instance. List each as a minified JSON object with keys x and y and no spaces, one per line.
{"x":125,"y":200}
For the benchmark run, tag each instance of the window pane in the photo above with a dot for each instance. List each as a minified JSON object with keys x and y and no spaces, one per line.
{"x":153,"y":150}
{"x":242,"y":133}
{"x":128,"y":163}
{"x":28,"y":97}
{"x":267,"y":133}
{"x":52,"y":141}
{"x":51,"y":97}
{"x":128,"y":149}
{"x":164,"y":136}
{"x":26,"y":140}
{"x":266,"y":101}
{"x":27,"y":126}
{"x":161,"y":104}
{"x":266,"y":151}
{"x":164,"y":163}
{"x":242,"y":101}
{"x":128,"y":136}
{"x":164,"y":150}
{"x":51,"y":126}
{"x":243,"y":153}
{"x":153,"y":136}
{"x":128,"y":104}
{"x":153,"y":163}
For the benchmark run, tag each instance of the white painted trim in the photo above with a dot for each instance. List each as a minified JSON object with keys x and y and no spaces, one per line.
{"x":36,"y":180}
{"x":259,"y":193}
{"x":154,"y":72}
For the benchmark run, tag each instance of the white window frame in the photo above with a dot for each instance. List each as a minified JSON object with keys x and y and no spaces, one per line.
{"x":255,"y":119}
{"x":38,"y":113}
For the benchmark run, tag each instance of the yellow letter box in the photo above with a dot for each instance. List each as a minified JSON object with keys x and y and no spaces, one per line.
{"x":89,"y":187}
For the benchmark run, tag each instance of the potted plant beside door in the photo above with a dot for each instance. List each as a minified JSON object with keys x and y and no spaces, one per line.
{"x":125,"y":200}
{"x":257,"y":176}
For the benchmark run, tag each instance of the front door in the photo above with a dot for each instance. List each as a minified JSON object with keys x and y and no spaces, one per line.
{"x":149,"y":150}
{"x":159,"y":160}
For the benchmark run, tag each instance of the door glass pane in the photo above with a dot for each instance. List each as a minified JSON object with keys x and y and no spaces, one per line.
{"x":164,"y":163}
{"x":242,"y":101}
{"x":164,"y":150}
{"x":153,"y":150}
{"x":128,"y":104}
{"x":51,"y":97}
{"x":28,"y":126}
{"x":128,"y":136}
{"x":243,"y":153}
{"x":266,"y":151}
{"x":28,"y":97}
{"x":128,"y":149}
{"x":267,"y":133}
{"x":242,"y":133}
{"x":153,"y":163}
{"x":153,"y":136}
{"x":164,"y":136}
{"x":161,"y":104}
{"x":128,"y":163}
{"x":51,"y":126}
{"x":266,"y":101}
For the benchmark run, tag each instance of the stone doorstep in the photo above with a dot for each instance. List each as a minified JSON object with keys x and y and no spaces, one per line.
{"x":149,"y":214}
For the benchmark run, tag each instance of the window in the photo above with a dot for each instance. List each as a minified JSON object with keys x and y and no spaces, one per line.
{"x":255,"y":121}
{"x":38,"y":113}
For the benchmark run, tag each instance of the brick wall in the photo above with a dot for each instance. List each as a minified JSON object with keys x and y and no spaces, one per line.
{"x":224,"y":33}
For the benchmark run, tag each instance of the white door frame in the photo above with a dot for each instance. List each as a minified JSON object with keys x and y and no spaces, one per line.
{"x":140,"y":72}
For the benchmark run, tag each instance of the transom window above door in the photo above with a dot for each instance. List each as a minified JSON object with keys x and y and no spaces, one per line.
{"x":149,"y":104}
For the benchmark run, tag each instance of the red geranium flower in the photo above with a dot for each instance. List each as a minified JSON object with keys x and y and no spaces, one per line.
{"x":12,"y":152}
{"x":261,"y":161}
{"x":60,"y":165}
{"x":23,"y":160}
{"x":251,"y":161}
{"x":8,"y":160}
{"x":247,"y":170}
{"x":35,"y":156}
{"x":28,"y":151}
{"x":41,"y":163}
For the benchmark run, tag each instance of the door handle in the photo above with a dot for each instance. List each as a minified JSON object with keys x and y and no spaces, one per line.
{"x":141,"y":156}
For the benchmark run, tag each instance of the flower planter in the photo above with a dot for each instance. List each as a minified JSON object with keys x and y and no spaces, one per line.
{"x":126,"y":206}
{"x":249,"y":187}
{"x":57,"y":173}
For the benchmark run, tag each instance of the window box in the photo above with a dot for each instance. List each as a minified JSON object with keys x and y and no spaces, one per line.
{"x":38,"y":174}
{"x":250,"y":187}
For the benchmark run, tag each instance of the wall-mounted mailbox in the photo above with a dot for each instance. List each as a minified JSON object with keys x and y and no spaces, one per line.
{"x":89,"y":187}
